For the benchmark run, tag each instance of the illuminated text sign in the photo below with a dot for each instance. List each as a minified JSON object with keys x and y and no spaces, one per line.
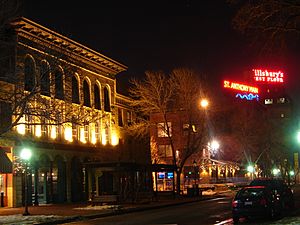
{"x":240,"y":87}
{"x":268,"y":76}
{"x":249,"y":96}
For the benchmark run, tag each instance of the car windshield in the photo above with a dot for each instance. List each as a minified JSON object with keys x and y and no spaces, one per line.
{"x":251,"y":192}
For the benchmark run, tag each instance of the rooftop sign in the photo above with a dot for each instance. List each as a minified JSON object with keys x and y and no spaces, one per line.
{"x":240,"y":87}
{"x":267,"y":76}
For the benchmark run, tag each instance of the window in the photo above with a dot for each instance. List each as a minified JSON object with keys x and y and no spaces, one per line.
{"x":268,"y":101}
{"x":120,"y":117}
{"x":29,"y":73}
{"x":281,"y":100}
{"x":45,"y":78}
{"x":165,"y":151}
{"x":74,"y":131}
{"x":86,"y":132}
{"x":86,"y":94}
{"x":59,"y":86}
{"x":97,"y":132}
{"x":97,"y":98}
{"x":162,"y":129}
{"x":129,"y":118}
{"x":75,"y":90}
{"x":44,"y":128}
{"x":106,"y":99}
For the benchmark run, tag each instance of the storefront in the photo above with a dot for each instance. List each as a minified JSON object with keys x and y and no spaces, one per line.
{"x":164,"y":177}
{"x":5,"y":177}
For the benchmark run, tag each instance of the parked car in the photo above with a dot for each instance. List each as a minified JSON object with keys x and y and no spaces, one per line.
{"x":282,"y":191}
{"x":253,"y":201}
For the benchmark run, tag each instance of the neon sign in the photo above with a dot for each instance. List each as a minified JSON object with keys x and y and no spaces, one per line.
{"x":268,"y":76}
{"x":240,"y":87}
{"x":249,"y":96}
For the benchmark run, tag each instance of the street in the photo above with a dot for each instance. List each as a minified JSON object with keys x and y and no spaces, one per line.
{"x":205,"y":212}
{"x":215,"y":211}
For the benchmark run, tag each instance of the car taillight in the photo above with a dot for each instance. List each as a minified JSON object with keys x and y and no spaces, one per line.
{"x":234,"y":203}
{"x":263,"y":201}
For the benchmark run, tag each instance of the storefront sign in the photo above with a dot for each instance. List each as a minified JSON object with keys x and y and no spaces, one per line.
{"x":240,"y":87}
{"x":249,"y":96}
{"x":268,"y":76}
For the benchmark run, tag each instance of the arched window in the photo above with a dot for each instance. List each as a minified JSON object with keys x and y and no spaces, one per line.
{"x":97,"y":97}
{"x":59,"y":85}
{"x":45,"y":78}
{"x":75,"y":90}
{"x":29,"y":73}
{"x":106,"y":99}
{"x":86,"y":94}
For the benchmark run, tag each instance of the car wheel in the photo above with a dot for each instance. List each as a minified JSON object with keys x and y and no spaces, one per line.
{"x":235,"y":219}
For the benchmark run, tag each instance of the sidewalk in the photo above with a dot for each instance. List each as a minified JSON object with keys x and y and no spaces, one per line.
{"x":62,"y":213}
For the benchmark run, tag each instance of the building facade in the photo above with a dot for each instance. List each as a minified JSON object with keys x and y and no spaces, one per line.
{"x":199,"y":167}
{"x":58,"y":99}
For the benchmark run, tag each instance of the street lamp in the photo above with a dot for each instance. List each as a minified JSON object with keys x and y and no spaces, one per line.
{"x":26,"y":155}
{"x":204,"y":103}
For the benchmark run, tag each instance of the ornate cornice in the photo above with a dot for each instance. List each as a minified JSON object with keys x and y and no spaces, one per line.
{"x":27,"y":28}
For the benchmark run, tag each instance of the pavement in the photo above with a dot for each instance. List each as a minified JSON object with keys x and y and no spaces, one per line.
{"x":69,"y":212}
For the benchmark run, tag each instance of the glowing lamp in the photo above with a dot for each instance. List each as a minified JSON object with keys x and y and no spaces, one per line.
{"x":204,"y":103}
{"x":250,"y":168}
{"x":25,"y":154}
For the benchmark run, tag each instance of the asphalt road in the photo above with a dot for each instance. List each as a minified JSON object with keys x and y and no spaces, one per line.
{"x":204,"y":212}
{"x":210,"y":212}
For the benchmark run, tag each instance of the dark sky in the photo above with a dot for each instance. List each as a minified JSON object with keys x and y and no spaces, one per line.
{"x":156,"y":35}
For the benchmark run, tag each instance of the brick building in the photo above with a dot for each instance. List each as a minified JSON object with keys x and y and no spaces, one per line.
{"x":59,"y":99}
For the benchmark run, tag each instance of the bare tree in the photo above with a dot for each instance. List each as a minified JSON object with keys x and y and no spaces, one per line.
{"x":179,"y":93}
{"x":270,"y":23}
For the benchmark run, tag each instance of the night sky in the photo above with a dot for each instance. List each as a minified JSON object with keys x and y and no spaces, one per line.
{"x":160,"y":35}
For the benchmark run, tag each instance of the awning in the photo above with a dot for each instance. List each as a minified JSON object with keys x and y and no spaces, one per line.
{"x":5,"y":163}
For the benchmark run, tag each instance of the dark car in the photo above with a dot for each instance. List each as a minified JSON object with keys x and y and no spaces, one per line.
{"x":253,"y":201}
{"x":282,"y":191}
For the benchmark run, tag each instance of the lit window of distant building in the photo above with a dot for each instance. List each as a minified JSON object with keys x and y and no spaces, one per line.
{"x":282,"y":115}
{"x":162,"y":129}
{"x":281,"y":100}
{"x":165,"y":151}
{"x":268,"y":101}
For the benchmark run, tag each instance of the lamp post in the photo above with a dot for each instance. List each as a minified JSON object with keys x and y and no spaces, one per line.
{"x":195,"y":171}
{"x":204,"y":103}
{"x":26,"y":155}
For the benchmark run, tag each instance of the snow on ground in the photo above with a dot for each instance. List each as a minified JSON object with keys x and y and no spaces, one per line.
{"x":20,"y":219}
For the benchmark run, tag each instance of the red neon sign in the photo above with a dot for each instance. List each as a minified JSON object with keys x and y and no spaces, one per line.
{"x":240,"y":87}
{"x":268,"y":76}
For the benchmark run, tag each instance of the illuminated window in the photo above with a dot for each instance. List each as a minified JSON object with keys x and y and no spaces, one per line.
{"x":75,"y":90}
{"x":74,"y":131}
{"x":86,"y":94}
{"x":97,"y":132}
{"x":162,"y":129}
{"x":282,"y":115}
{"x":45,"y":78}
{"x":29,"y":129}
{"x":129,"y":118}
{"x":165,"y":151}
{"x":44,"y":128}
{"x":281,"y":100}
{"x":97,"y":98}
{"x":86,"y":132}
{"x":268,"y":101}
{"x":29,"y":73}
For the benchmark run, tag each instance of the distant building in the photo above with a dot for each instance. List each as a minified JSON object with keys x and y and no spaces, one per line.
{"x":200,"y":167}
{"x":58,"y":98}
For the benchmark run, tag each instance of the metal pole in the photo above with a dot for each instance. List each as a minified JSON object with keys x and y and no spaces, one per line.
{"x":26,"y":213}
